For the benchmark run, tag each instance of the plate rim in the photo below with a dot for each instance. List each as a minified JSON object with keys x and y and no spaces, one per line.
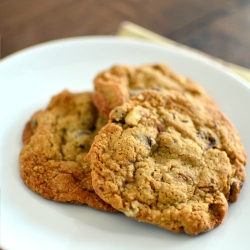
{"x":107,"y":38}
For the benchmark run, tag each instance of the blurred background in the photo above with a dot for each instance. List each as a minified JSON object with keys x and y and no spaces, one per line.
{"x":217,"y":27}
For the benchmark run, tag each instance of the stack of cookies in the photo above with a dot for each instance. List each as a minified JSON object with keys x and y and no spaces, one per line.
{"x":148,"y":142}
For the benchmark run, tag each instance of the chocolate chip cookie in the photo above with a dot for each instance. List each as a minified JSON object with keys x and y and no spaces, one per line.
{"x":168,"y":159}
{"x":56,"y":141}
{"x":116,"y":85}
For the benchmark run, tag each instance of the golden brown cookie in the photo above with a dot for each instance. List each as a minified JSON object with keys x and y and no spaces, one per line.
{"x":117,"y":84}
{"x":56,"y":141}
{"x":168,"y":159}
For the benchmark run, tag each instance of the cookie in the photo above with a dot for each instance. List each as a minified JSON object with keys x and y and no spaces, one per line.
{"x":168,"y":159}
{"x":116,"y":85}
{"x":56,"y":141}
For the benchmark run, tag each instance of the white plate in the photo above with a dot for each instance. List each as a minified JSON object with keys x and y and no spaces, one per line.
{"x":29,"y":78}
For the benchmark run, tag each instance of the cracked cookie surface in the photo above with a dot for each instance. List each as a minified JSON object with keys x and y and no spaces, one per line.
{"x":166,"y":158}
{"x":115,"y":85}
{"x":56,"y":141}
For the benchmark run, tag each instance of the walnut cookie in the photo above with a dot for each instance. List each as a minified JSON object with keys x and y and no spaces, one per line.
{"x":115,"y":85}
{"x":56,"y":141}
{"x":166,"y":158}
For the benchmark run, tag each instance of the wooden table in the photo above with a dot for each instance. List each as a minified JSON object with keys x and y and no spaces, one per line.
{"x":218,"y":27}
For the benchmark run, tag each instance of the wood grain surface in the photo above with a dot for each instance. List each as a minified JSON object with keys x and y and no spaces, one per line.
{"x":218,"y":27}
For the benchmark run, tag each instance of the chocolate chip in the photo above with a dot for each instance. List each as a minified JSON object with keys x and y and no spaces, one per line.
{"x":215,"y":210}
{"x":117,"y":116}
{"x":149,"y":141}
{"x":160,"y":127}
{"x":212,"y":143}
{"x":122,"y":121}
{"x":209,"y":137}
{"x":145,"y":139}
{"x":235,"y":188}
